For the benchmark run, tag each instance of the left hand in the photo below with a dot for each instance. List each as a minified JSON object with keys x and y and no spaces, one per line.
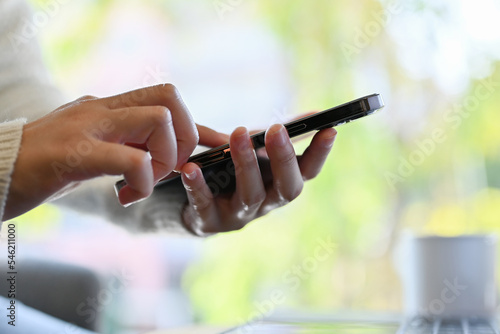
{"x":256,"y":193}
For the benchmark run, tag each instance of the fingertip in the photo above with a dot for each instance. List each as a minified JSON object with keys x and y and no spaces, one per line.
{"x":277,"y":135}
{"x":181,"y":161}
{"x":330,"y":133}
{"x":128,"y":196}
{"x":275,"y":128}
{"x":182,"y":158}
{"x":186,"y":146}
{"x":325,"y":138}
{"x":239,"y":131}
{"x":190,"y":172}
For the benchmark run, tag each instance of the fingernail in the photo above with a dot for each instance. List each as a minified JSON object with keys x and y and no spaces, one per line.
{"x":192,"y":175}
{"x":328,"y":142}
{"x":243,"y":141}
{"x":131,"y":203}
{"x":279,"y":137}
{"x":181,"y":160}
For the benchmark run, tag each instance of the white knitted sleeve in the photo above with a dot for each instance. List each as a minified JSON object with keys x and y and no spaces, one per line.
{"x":10,"y":139}
{"x":26,"y":89}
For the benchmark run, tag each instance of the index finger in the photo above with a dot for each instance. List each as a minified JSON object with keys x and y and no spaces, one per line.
{"x":211,"y":138}
{"x":168,"y":96}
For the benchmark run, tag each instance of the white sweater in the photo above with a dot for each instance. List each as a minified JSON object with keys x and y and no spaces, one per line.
{"x":26,"y":93}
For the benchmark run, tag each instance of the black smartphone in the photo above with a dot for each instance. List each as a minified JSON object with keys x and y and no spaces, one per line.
{"x":216,"y":163}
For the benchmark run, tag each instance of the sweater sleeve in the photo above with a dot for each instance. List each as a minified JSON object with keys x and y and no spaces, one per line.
{"x":10,"y":139}
{"x":26,"y":89}
{"x":27,"y":93}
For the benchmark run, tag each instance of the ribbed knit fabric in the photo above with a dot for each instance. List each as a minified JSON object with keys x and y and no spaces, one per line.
{"x":10,"y":139}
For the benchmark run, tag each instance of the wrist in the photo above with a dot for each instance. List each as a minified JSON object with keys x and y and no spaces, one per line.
{"x":31,"y":182}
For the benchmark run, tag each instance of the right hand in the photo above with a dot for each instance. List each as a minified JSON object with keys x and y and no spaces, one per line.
{"x":92,"y":137}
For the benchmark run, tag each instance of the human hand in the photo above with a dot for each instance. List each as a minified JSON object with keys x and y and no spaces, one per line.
{"x":278,"y":180}
{"x":91,"y":137}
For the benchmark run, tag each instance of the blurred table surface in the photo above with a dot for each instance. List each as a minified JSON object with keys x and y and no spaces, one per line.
{"x":192,"y":330}
{"x":298,"y":316}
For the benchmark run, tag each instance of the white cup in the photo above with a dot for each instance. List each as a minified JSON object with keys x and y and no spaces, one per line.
{"x":448,"y":277}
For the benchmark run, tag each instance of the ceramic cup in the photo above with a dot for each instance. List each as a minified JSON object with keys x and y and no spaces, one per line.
{"x":448,"y":277}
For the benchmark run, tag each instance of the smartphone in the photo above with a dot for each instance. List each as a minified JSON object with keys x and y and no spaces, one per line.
{"x":216,"y":163}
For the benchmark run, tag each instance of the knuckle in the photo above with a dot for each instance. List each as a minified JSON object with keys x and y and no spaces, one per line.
{"x":204,"y":228}
{"x":161,"y":115}
{"x":86,"y":98}
{"x":238,"y":226}
{"x":200,"y":201}
{"x":245,"y":161}
{"x":194,"y":140}
{"x":289,"y":195}
{"x":170,"y":90}
{"x":253,"y":202}
{"x":139,"y":160}
{"x":210,"y":228}
{"x":233,"y":226}
{"x":295,"y":193}
{"x":207,"y":229}
{"x":289,"y":158}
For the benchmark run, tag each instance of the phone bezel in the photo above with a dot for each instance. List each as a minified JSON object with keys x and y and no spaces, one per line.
{"x":335,"y":116}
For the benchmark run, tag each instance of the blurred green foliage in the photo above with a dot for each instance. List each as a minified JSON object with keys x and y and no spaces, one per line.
{"x":352,"y":203}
